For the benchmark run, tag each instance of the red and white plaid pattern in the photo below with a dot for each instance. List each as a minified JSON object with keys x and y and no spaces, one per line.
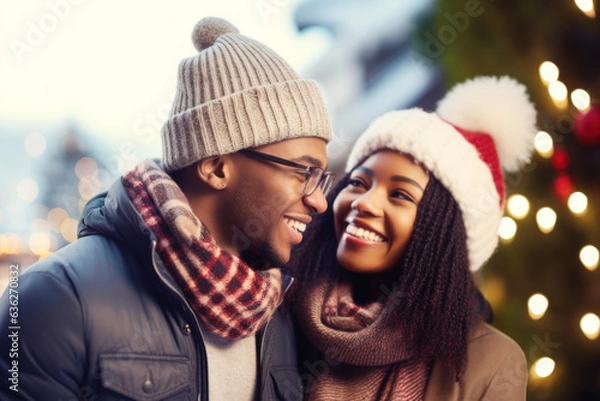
{"x":231,"y":299}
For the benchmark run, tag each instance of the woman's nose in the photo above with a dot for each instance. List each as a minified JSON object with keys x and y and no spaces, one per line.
{"x":368,"y":203}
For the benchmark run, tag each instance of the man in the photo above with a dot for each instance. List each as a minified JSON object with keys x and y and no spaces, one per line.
{"x":171,"y":289}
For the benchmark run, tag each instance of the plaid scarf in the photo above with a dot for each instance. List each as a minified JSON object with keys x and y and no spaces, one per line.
{"x":231,"y":299}
{"x":366,"y":355}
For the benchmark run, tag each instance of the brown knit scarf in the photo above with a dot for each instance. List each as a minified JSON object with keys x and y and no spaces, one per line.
{"x":231,"y":299}
{"x":364,"y":355}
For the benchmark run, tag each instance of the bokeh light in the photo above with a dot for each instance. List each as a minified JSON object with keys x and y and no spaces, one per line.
{"x":544,"y":367}
{"x":56,"y":217}
{"x":35,"y":144}
{"x":88,"y":187}
{"x":558,"y":92}
{"x":577,"y":202}
{"x":544,"y":145}
{"x":580,"y":99}
{"x":590,"y":325}
{"x":3,"y":244}
{"x":518,"y":206}
{"x":589,"y":256}
{"x":14,"y":244}
{"x":86,"y":166}
{"x":560,"y":159}
{"x":27,"y":190}
{"x":546,"y":219}
{"x":537,"y":306}
{"x":587,"y":7}
{"x":548,"y":72}
{"x":68,"y":229}
{"x":507,"y":229}
{"x":39,"y":243}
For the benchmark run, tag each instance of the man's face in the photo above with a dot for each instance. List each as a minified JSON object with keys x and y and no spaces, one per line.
{"x":267,"y":210}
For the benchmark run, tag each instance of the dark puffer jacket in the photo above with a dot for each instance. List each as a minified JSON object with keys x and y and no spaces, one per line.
{"x":101,"y":319}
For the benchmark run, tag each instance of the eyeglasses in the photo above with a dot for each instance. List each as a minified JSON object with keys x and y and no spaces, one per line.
{"x":315,"y":177}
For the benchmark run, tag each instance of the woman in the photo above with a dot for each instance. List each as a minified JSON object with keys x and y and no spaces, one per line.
{"x":387,"y":301}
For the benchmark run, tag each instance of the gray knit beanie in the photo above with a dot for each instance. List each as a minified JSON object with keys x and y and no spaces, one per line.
{"x":237,"y":93}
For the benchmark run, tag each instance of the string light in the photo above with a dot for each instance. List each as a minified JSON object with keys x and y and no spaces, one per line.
{"x":558,"y":92}
{"x":581,"y":100}
{"x":548,"y":72}
{"x":543,"y":144}
{"x":587,"y":7}
{"x":518,"y":206}
{"x":537,"y":306}
{"x":546,"y":219}
{"x":577,"y":202}
{"x":543,"y":367}
{"x":589,"y":256}
{"x":590,"y":325}
{"x":507,"y":229}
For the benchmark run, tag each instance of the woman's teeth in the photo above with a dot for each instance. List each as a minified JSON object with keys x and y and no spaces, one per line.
{"x":295,"y":224}
{"x":364,"y":234}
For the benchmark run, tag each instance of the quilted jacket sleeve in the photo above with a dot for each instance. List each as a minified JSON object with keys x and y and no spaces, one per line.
{"x":42,"y":349}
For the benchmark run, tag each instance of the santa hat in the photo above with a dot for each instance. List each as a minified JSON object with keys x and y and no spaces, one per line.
{"x":481,"y":127}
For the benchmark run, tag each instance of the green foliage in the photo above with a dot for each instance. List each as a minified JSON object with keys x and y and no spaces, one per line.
{"x":512,"y":37}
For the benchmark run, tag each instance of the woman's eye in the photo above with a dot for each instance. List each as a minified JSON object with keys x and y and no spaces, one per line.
{"x":402,"y":195}
{"x":354,"y":182}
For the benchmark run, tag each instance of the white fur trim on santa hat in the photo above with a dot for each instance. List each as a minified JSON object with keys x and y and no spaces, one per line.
{"x":499,"y":107}
{"x":452,"y":159}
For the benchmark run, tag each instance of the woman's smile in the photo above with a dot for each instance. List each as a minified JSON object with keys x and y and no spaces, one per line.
{"x":376,"y":211}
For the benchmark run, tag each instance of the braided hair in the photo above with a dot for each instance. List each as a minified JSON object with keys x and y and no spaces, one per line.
{"x":433,"y":294}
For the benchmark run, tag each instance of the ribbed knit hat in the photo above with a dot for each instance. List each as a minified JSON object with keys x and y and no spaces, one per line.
{"x":237,"y":93}
{"x":481,"y":127}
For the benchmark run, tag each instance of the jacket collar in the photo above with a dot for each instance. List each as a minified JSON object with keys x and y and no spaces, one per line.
{"x":111,"y":213}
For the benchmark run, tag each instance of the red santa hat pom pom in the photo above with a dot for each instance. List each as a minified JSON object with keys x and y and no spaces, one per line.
{"x":499,"y":107}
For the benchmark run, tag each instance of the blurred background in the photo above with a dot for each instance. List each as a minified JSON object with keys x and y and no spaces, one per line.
{"x":86,"y":85}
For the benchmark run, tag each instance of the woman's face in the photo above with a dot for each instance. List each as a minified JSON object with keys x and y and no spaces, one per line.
{"x":375,"y":213}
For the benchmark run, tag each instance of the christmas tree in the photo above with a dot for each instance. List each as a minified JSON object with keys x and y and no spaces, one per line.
{"x":543,"y":281}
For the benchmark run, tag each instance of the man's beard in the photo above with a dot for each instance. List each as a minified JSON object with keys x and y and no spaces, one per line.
{"x":262,"y":256}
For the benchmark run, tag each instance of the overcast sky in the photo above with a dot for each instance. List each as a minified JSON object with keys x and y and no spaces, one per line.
{"x":112,"y":64}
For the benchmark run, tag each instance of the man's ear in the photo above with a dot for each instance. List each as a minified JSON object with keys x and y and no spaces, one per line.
{"x":214,"y":171}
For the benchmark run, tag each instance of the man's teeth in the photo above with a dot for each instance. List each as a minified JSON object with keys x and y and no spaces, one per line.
{"x":296,"y":225}
{"x":364,"y":234}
